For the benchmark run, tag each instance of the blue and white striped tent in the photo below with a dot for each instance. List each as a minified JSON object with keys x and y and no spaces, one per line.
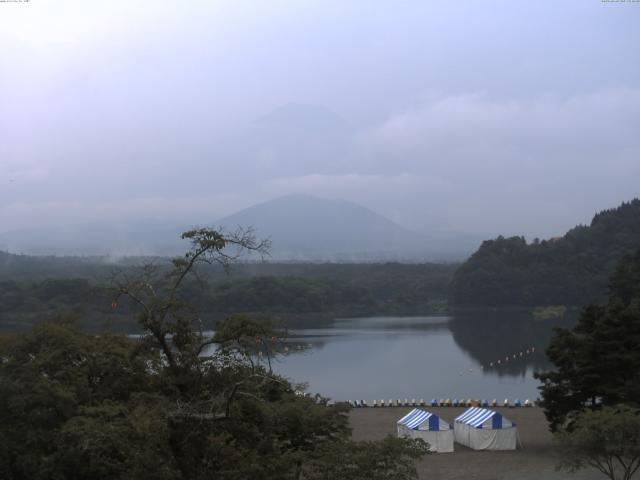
{"x":483,"y":429}
{"x":429,"y":427}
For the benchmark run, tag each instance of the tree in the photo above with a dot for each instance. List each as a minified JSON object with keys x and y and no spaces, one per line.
{"x":74,"y":405}
{"x":175,"y":404}
{"x":389,"y":459}
{"x":568,"y":270}
{"x":607,"y":440}
{"x":598,"y":361}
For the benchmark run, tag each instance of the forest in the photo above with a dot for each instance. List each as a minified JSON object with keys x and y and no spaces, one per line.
{"x":571,"y":270}
{"x":76,"y":405}
{"x":290,"y":294}
{"x":506,"y":272}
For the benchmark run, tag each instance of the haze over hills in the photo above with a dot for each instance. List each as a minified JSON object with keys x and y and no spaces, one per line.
{"x":310,"y":228}
{"x":307,"y":228}
{"x":301,"y":228}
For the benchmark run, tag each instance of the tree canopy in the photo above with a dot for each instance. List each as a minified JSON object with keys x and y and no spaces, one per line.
{"x":174,"y":403}
{"x":607,"y":440}
{"x":569,"y":270}
{"x":598,"y":361}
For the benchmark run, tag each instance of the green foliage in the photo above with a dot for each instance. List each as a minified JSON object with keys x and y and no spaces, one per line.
{"x":75,"y":405}
{"x":572,"y":270}
{"x":61,"y":388}
{"x":607,"y":440}
{"x":598,"y":361}
{"x":295,"y":293}
{"x":389,"y":459}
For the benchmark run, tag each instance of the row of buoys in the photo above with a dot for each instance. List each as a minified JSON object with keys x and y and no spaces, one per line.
{"x":286,"y":349}
{"x":440,"y":403}
{"x":508,"y":358}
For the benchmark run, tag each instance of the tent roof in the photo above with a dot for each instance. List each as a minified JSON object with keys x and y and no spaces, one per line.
{"x":415,"y":418}
{"x":475,"y":416}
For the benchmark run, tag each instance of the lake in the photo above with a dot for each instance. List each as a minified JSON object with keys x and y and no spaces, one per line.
{"x":422,"y":357}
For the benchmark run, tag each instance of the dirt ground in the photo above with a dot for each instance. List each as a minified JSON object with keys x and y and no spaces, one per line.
{"x":534,"y":461}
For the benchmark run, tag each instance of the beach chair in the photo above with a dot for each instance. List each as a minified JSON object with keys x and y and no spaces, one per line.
{"x":434,"y":402}
{"x":527,"y":403}
{"x":517,"y":403}
{"x":485,"y":403}
{"x":494,"y":402}
{"x":455,"y":402}
{"x":505,"y":403}
{"x":422,"y":402}
{"x":413,"y":402}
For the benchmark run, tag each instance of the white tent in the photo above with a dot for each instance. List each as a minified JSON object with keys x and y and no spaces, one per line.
{"x":483,"y":429}
{"x":429,"y":427}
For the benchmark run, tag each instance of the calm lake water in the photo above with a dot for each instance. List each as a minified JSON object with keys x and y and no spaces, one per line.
{"x":422,"y":357}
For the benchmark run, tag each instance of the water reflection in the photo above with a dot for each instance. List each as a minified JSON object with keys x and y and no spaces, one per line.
{"x":490,"y":337}
{"x":422,"y":357}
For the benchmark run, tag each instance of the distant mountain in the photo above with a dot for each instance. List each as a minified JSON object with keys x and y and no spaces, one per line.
{"x":570,"y":270}
{"x":301,"y":227}
{"x":288,"y":139}
{"x":311,"y":119}
{"x":308,"y":228}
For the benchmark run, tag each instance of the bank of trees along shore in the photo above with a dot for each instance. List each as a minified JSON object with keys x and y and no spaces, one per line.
{"x":75,"y":405}
{"x":570,"y":270}
{"x":297,"y":293}
{"x":592,"y":397}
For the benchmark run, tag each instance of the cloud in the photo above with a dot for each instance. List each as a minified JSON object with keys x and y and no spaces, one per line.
{"x":204,"y":210}
{"x":517,"y":165}
{"x":467,"y":162}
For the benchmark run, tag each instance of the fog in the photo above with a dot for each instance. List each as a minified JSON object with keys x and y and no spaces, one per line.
{"x":472,"y":117}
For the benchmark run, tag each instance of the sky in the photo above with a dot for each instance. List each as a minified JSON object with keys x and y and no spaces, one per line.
{"x":503,"y":117}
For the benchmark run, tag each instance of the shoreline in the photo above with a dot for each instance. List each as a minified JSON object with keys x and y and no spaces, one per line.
{"x":536,"y":459}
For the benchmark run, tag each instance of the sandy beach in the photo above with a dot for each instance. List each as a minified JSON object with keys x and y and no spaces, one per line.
{"x":535,"y":460}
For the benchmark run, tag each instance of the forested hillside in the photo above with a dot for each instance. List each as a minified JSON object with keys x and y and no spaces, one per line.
{"x":571,"y":270}
{"x":32,"y":288}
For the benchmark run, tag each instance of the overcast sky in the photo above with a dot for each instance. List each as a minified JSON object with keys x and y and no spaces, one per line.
{"x":488,"y":117}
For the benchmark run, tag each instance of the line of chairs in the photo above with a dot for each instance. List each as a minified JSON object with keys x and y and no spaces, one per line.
{"x":440,"y":403}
